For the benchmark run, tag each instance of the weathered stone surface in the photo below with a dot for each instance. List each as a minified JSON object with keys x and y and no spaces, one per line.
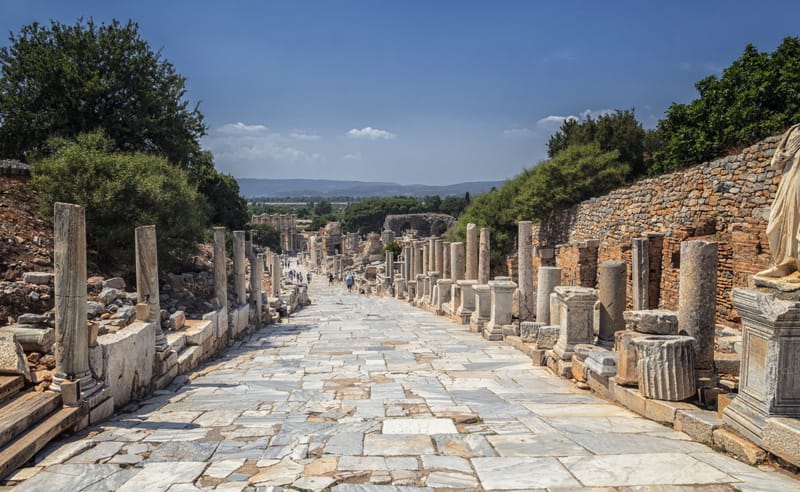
{"x":108,"y":295}
{"x":781,"y":436}
{"x":666,"y":367}
{"x":122,"y":368}
{"x":500,"y":313}
{"x":177,"y":320}
{"x":745,"y":450}
{"x":37,"y":278}
{"x":652,"y":321}
{"x":548,"y":279}
{"x":472,"y":252}
{"x":548,"y":336}
{"x":32,"y":338}
{"x":627,"y":373}
{"x":602,"y":362}
{"x":768,"y":385}
{"x":612,"y":284}
{"x":239,"y":268}
{"x":529,"y":331}
{"x":457,"y":261}
{"x":576,"y":306}
{"x":12,"y":357}
{"x":220,"y":269}
{"x":526,"y":303}
{"x":115,"y":283}
{"x":698,"y":300}
{"x":483,"y":258}
{"x":640,"y":266}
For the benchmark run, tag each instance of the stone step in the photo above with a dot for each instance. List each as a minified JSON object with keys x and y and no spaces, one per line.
{"x":10,"y":386}
{"x":31,"y":442}
{"x":197,"y":331}
{"x":24,"y":411}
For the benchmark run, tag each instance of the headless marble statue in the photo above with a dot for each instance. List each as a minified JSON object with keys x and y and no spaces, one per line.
{"x":783,"y":230}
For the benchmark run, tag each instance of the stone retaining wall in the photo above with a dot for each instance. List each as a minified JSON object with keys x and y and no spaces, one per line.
{"x":726,"y":200}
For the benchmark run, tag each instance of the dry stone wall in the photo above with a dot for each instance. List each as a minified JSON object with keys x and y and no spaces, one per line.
{"x":726,"y":200}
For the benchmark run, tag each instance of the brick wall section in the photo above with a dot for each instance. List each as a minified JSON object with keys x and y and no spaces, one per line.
{"x":726,"y":200}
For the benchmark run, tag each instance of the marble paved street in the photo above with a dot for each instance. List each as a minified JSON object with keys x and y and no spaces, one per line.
{"x":362,"y":393}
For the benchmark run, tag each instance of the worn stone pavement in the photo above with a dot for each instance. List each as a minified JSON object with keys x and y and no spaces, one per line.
{"x":363,"y":393}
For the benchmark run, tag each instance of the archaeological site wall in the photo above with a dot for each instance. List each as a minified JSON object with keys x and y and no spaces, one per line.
{"x":726,"y":200}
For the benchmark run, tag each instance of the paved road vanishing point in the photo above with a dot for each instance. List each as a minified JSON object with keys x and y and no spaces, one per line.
{"x":363,"y":393}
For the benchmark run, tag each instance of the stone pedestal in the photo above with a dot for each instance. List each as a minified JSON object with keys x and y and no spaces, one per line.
{"x":71,"y":334}
{"x":147,"y":279}
{"x":483,"y":303}
{"x":443,"y":286}
{"x":576,"y":310}
{"x":555,"y":310}
{"x":527,"y":301}
{"x":484,"y":257}
{"x":529,"y":331}
{"x":548,"y":278}
{"x":769,"y":385}
{"x":612,"y":285}
{"x":697,"y":301}
{"x":220,"y":269}
{"x":652,"y":321}
{"x":411,"y":290}
{"x":399,"y":286}
{"x":467,"y":305}
{"x":627,"y":375}
{"x":472,"y":252}
{"x":433,"y":292}
{"x":457,"y":265}
{"x":640,"y":268}
{"x":239,"y":268}
{"x":500,"y":314}
{"x":422,"y":281}
{"x":665,"y":364}
{"x":455,"y":298}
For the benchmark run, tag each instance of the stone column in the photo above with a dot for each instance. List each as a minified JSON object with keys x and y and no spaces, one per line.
{"x":484,"y":258}
{"x":527,"y":303}
{"x":549,"y":278}
{"x":276,"y":275}
{"x":72,"y":336}
{"x":398,"y":286}
{"x":256,"y":275}
{"x":411,"y":287}
{"x":640,"y":267}
{"x":147,"y":278}
{"x":472,"y":252}
{"x":433,"y":278}
{"x":555,"y":310}
{"x":446,"y":260}
{"x":421,"y":286}
{"x":697,"y":301}
{"x":248,"y":245}
{"x":389,"y":264}
{"x":438,"y":265}
{"x":420,"y":260}
{"x":220,"y":269}
{"x":239,"y":268}
{"x":502,"y":297}
{"x":426,"y":257}
{"x":612,"y":285}
{"x":665,"y":364}
{"x":457,"y":261}
{"x":576,"y":306}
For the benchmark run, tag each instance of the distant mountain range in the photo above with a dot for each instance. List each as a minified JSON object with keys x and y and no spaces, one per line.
{"x":285,"y":188}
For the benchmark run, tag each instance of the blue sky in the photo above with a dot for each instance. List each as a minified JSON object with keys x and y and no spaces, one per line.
{"x":423,"y":91}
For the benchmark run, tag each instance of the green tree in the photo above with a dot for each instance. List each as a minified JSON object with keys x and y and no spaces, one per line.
{"x":618,"y":131}
{"x":226,"y":207}
{"x":757,"y":95}
{"x":62,"y":80}
{"x":453,"y":205}
{"x":368,"y":215}
{"x":394,"y":247}
{"x":323,"y":207}
{"x":266,"y":236}
{"x":119,"y":192}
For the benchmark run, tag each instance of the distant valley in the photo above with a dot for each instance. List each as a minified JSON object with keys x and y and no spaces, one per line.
{"x":322,"y":188}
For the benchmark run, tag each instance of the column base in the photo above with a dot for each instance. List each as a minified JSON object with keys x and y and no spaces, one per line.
{"x":492,"y":331}
{"x":88,"y":384}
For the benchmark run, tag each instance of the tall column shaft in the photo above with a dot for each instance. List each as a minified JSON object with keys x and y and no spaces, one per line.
{"x":549,"y":279}
{"x":457,"y":264}
{"x":472,"y":252}
{"x":445,"y":260}
{"x":256,"y":275}
{"x":640,"y":267}
{"x":430,"y":266}
{"x":220,"y":271}
{"x":612,"y":284}
{"x":697,"y":300}
{"x":485,"y":256}
{"x":239,"y":268}
{"x":147,"y":278}
{"x":438,"y":264}
{"x":275,"y":278}
{"x":72,"y":336}
{"x":527,"y":302}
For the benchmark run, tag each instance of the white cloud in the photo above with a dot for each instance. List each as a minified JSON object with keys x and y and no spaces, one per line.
{"x":352,"y":157}
{"x":239,"y":147}
{"x":240,"y":128}
{"x":303,"y":135}
{"x":557,"y":119}
{"x":518,"y":133}
{"x":371,"y":133}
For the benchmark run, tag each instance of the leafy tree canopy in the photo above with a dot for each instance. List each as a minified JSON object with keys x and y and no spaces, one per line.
{"x":62,"y":80}
{"x":121,"y":191}
{"x":758,"y":95}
